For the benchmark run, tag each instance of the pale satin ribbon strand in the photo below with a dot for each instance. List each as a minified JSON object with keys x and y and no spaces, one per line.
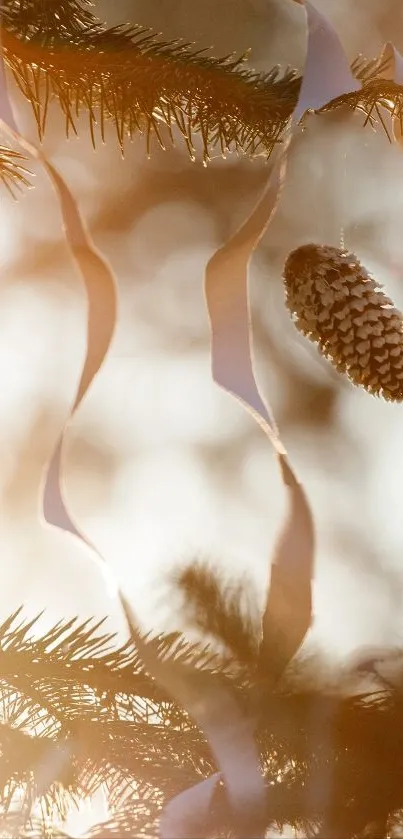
{"x":226,"y":288}
{"x":230,"y":736}
{"x":101,"y":290}
{"x":392,"y":61}
{"x":227,"y":300}
{"x":100,"y":287}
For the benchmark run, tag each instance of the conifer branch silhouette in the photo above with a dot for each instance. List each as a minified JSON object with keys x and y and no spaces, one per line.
{"x":220,"y":610}
{"x":91,"y":716}
{"x":128,"y":76}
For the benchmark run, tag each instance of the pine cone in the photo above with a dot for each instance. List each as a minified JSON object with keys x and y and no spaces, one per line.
{"x":338,"y":305}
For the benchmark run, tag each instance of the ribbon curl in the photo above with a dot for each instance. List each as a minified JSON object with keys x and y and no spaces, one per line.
{"x":288,"y":612}
{"x":392,"y":63}
{"x":100,"y":287}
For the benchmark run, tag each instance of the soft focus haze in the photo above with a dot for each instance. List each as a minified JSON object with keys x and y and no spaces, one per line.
{"x":162,"y":466}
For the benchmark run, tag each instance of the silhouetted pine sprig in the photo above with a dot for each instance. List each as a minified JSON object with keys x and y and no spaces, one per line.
{"x":13,"y":174}
{"x":77,"y":715}
{"x":377,"y":95}
{"x":69,"y":702}
{"x":74,"y":665}
{"x":224,"y":611}
{"x":126,"y":75}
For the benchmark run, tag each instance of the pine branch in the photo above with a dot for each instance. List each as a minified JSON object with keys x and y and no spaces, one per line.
{"x":127,"y":76}
{"x":73,"y":667}
{"x":377,"y":95}
{"x":221,"y":610}
{"x":72,"y":652}
{"x":69,"y":701}
{"x":357,"y":751}
{"x":66,"y":768}
{"x":304,"y":735}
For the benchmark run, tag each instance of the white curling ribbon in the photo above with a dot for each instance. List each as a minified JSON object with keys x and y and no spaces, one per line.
{"x":232,"y":367}
{"x":100,"y":286}
{"x":288,"y":612}
{"x":230,"y":735}
{"x":58,"y":533}
{"x":226,"y":288}
{"x":327,"y":73}
{"x":228,"y":307}
{"x":392,"y":69}
{"x":98,"y":577}
{"x":393,"y":64}
{"x":189,"y":811}
{"x":226,"y":282}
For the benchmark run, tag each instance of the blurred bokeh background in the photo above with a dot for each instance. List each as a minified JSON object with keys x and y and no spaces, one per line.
{"x":162,"y":466}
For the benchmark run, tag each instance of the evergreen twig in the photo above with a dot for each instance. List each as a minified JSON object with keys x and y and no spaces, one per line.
{"x":13,"y":174}
{"x":127,"y":75}
{"x":95,"y":716}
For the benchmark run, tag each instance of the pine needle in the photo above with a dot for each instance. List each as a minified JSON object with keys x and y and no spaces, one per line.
{"x":13,"y":174}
